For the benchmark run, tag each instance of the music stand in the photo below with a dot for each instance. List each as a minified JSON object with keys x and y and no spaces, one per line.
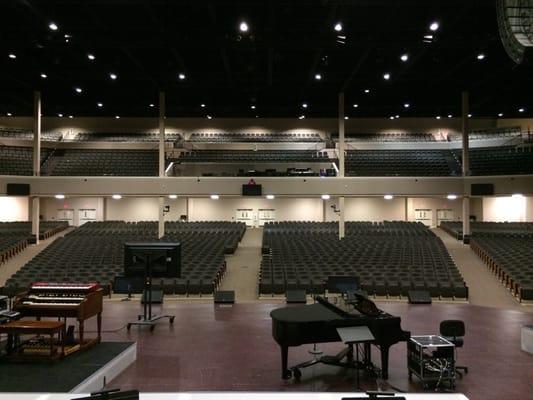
{"x":147,"y":253}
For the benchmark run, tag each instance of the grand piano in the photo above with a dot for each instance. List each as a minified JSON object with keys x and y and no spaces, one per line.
{"x":64,"y":300}
{"x":317,"y":323}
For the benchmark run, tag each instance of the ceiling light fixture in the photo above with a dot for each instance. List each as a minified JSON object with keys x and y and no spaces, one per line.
{"x":44,"y":76}
{"x":449,"y":115}
{"x":469,"y":115}
{"x":346,"y":117}
{"x":9,"y":114}
{"x":60,"y":115}
{"x":304,"y":105}
{"x":252,"y":107}
{"x":70,"y":116}
{"x":367,"y":90}
{"x":113,"y":76}
{"x":173,"y":196}
{"x":451,"y":197}
{"x":404,"y":57}
{"x":12,"y":56}
{"x":181,"y":76}
{"x":437,"y":117}
{"x":500,"y":114}
{"x":215,"y":197}
{"x":78,"y":89}
{"x":59,"y":196}
{"x":301,"y":117}
{"x":318,"y":77}
{"x":355,"y":105}
{"x":202,"y":105}
{"x":521,"y":110}
{"x":243,"y":26}
{"x":480,"y":56}
{"x":117,"y":116}
{"x":391,"y":117}
{"x":325,"y":197}
{"x":270,"y":197}
{"x":116,"y":196}
{"x":151,"y":105}
{"x":209,"y":117}
{"x":517,"y":196}
{"x":91,"y":56}
{"x":338,"y":27}
{"x":388,"y":197}
{"x":53,"y":26}
{"x":386,"y":76}
{"x":100,"y":105}
{"x":406,"y":105}
{"x":434,"y":26}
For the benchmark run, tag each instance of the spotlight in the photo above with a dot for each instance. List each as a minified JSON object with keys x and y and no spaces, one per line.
{"x":346,"y":117}
{"x":437,"y":117}
{"x":113,"y":76}
{"x":338,"y":27}
{"x":44,"y":76}
{"x":60,"y":115}
{"x":355,"y":105}
{"x":12,"y":56}
{"x":181,"y":77}
{"x":59,"y":196}
{"x":304,"y":105}
{"x":500,"y":115}
{"x":91,"y":56}
{"x":521,"y":110}
{"x":406,"y":105}
{"x":367,"y":90}
{"x":78,"y":89}
{"x":202,"y":105}
{"x":434,"y":26}
{"x":116,"y":196}
{"x":100,"y":105}
{"x":318,"y":77}
{"x":9,"y":114}
{"x":252,"y":107}
{"x":53,"y":26}
{"x":469,"y":115}
{"x":151,"y":105}
{"x":325,"y":197}
{"x":386,"y":76}
{"x":388,"y":197}
{"x":117,"y":116}
{"x":404,"y":57}
{"x":480,"y":56}
{"x":243,"y":27}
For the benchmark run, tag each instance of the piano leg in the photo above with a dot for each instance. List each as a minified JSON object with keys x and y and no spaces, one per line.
{"x":285,"y":372}
{"x":384,"y":361}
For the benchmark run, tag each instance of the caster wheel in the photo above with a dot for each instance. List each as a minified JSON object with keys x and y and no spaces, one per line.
{"x":287,"y":374}
{"x":296,"y":373}
{"x":128,"y":327}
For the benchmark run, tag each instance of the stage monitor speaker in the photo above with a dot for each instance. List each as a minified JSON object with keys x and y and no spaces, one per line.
{"x":224,"y":297}
{"x":418,"y":297}
{"x":157,"y":297}
{"x":296,"y":296}
{"x":482,"y":189}
{"x":18,"y":189}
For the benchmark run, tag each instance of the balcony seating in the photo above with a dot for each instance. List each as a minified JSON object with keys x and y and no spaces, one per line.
{"x":505,"y":160}
{"x":133,"y":137}
{"x":233,"y":137}
{"x":18,"y":160}
{"x":242,"y":156}
{"x":25,"y":134}
{"x":387,"y":137}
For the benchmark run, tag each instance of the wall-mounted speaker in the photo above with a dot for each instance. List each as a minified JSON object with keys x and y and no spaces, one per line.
{"x":482,"y":189}
{"x":18,"y":189}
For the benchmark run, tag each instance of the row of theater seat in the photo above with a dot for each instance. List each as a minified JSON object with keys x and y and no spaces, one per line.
{"x":24,"y":134}
{"x":95,"y":252}
{"x":233,"y":137}
{"x":499,"y":160}
{"x":273,"y":156}
{"x":390,"y":258}
{"x":490,"y":229}
{"x":131,"y":137}
{"x":484,"y":134}
{"x":388,"y":137}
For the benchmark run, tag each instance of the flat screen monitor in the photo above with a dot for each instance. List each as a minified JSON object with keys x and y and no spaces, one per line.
{"x":127,"y":284}
{"x":342,"y":284}
{"x":252,"y":190}
{"x":164,"y":258}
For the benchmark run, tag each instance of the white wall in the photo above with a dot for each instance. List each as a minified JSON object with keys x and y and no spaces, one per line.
{"x":434,"y":204}
{"x":142,"y":209}
{"x":501,"y":209}
{"x":368,"y":209}
{"x":529,"y":209}
{"x":287,"y":209}
{"x":50,"y":205}
{"x":14,"y":209}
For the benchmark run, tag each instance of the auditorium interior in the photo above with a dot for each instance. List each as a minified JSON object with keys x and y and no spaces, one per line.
{"x":315,"y":199}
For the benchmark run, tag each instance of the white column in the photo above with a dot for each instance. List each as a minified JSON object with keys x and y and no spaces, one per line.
{"x":161,"y":224}
{"x":36,"y":133}
{"x":341,"y":217}
{"x":161,"y":134}
{"x":341,"y":134}
{"x":35,"y":211}
{"x":466,"y":164}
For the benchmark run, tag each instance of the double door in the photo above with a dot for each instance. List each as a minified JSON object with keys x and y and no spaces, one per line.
{"x":255,"y":217}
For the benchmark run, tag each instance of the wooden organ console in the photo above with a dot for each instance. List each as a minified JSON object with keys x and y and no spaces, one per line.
{"x":64,"y":300}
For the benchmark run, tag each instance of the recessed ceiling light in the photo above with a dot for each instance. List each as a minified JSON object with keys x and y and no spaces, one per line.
{"x":451,"y":197}
{"x":181,"y":77}
{"x":100,"y":104}
{"x":215,"y":196}
{"x":386,"y":76}
{"x":449,"y":115}
{"x":480,"y":56}
{"x":500,"y":114}
{"x":404,"y":57}
{"x":355,"y":105}
{"x":151,"y":105}
{"x":252,"y":107}
{"x":70,"y":116}
{"x":301,"y":117}
{"x":517,"y":195}
{"x":117,"y":116}
{"x":469,"y":115}
{"x":388,"y":197}
{"x":243,"y":26}
{"x":521,"y":110}
{"x":9,"y":114}
{"x":44,"y":76}
{"x":53,"y":26}
{"x":202,"y":105}
{"x":59,"y":196}
{"x":60,"y":115}
{"x":406,"y":105}
{"x":270,"y":196}
{"x":367,"y":90}
{"x":78,"y":89}
{"x":304,"y":105}
{"x":391,"y":117}
{"x":116,"y":196}
{"x":209,"y":117}
{"x":173,"y":196}
{"x":434,"y":26}
{"x":396,"y":116}
{"x":338,"y":27}
{"x":437,"y":117}
{"x":346,"y":117}
{"x":318,"y":77}
{"x":12,"y":56}
{"x":91,"y":56}
{"x":428,"y":38}
{"x":67,"y":36}
{"x":325,"y":197}
{"x":113,"y":76}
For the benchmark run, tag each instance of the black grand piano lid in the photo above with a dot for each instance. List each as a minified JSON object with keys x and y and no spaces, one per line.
{"x":304,"y":313}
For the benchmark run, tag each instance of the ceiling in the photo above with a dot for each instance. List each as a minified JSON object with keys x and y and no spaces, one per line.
{"x":147,"y":44}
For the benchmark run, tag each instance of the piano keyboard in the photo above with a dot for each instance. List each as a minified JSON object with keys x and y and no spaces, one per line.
{"x":33,"y":303}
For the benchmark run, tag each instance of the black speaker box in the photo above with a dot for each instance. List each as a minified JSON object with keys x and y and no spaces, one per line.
{"x":296,"y":296}
{"x":18,"y":189}
{"x":224,"y":297}
{"x":157,"y":297}
{"x":418,"y":297}
{"x":482,"y":189}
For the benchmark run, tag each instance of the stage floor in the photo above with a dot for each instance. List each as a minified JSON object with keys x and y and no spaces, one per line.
{"x":213,"y":348}
{"x":74,"y":371}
